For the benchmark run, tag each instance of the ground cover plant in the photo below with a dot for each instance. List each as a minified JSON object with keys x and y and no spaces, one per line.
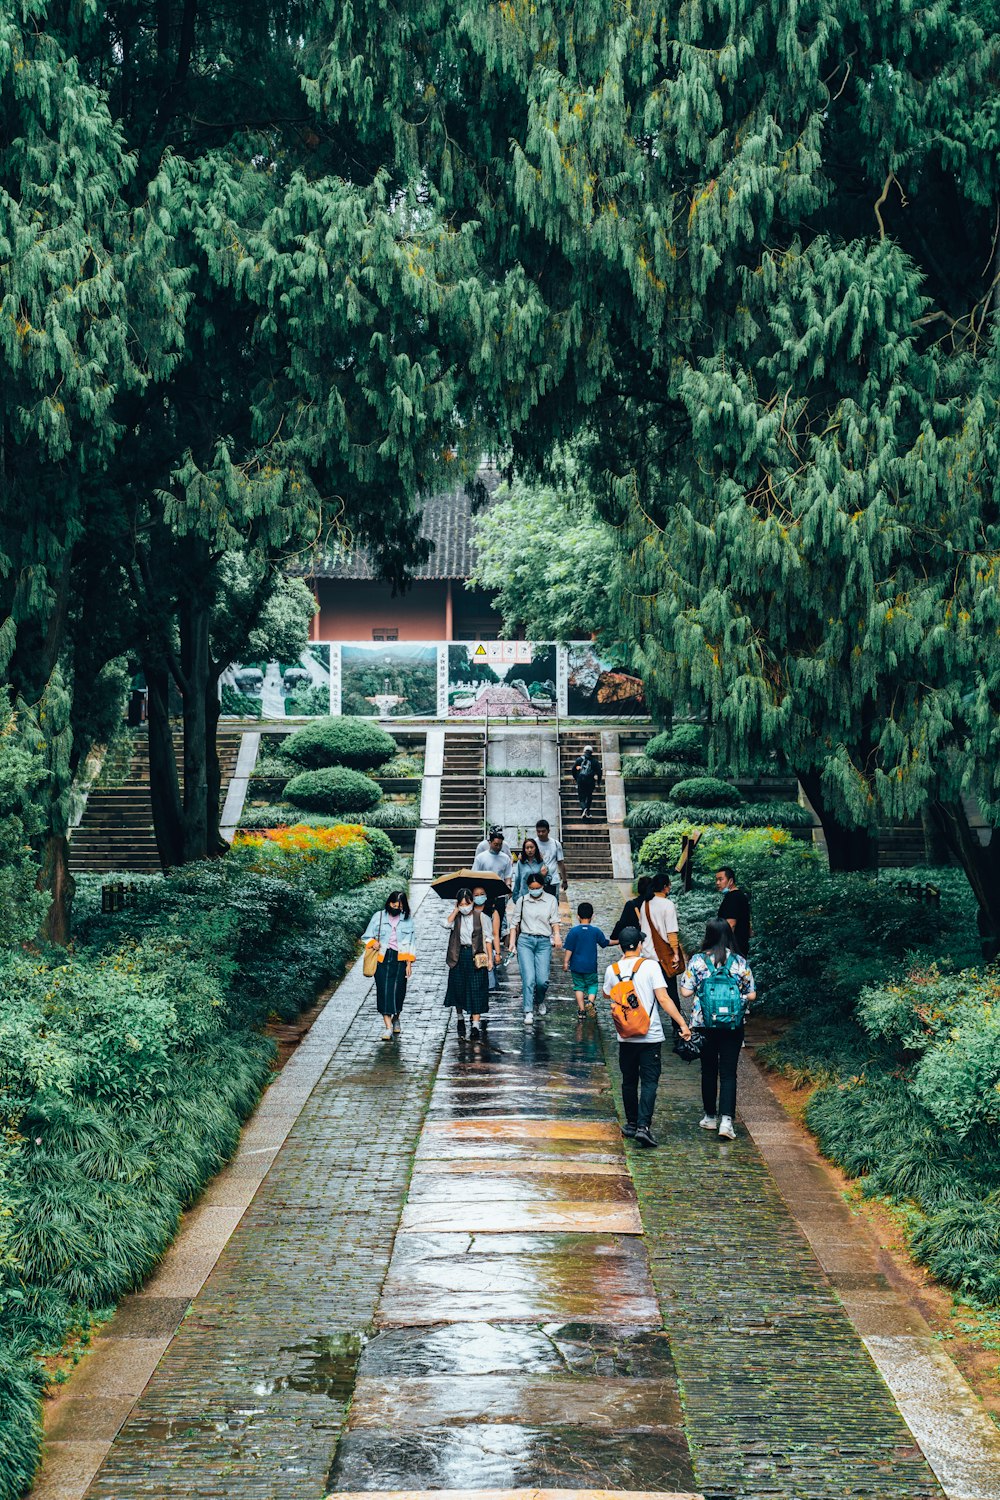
{"x":128,"y":1064}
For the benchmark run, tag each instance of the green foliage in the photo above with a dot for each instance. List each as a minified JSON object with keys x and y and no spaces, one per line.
{"x":746,"y":815}
{"x":386,"y":814}
{"x":550,"y":562}
{"x":339,"y":742}
{"x":335,"y":789}
{"x":685,"y":743}
{"x":383,"y":851}
{"x":755,"y":854}
{"x":400,"y":767}
{"x":960,"y":1245}
{"x":669,"y":772}
{"x":529,"y":771}
{"x":22,"y":773}
{"x":705,"y":791}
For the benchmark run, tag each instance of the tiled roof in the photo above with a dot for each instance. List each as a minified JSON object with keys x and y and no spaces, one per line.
{"x":447,"y":522}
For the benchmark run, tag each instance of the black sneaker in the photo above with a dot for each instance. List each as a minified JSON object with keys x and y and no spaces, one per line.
{"x":628,"y":1131}
{"x":474,"y":1034}
{"x":645,"y":1137}
{"x":460,"y":1028}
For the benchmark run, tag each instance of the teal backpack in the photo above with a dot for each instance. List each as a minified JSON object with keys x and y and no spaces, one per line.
{"x":721,"y":1001}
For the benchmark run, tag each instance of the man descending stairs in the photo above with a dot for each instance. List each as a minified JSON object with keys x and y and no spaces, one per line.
{"x":586,"y":840}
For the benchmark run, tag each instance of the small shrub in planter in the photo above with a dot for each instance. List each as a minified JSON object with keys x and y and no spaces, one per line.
{"x":339,"y":742}
{"x":684,"y":742}
{"x":667,"y":771}
{"x":400,"y":767}
{"x":705,"y":791}
{"x":651,"y":815}
{"x":334,"y":789}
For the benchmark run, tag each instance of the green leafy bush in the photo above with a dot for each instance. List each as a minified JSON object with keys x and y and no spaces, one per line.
{"x":335,"y":789}
{"x":650,"y":815}
{"x":747,"y":815}
{"x":705,"y":791}
{"x":960,"y":1245}
{"x":272,"y":767}
{"x":383,"y":851}
{"x":279,"y":815}
{"x":685,"y":742}
{"x":755,"y":853}
{"x":339,"y":742}
{"x":400,"y":767}
{"x":640,"y":766}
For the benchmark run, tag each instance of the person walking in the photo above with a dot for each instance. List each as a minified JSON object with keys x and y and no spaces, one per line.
{"x":630,"y":911}
{"x":660,"y":940}
{"x":491,"y":915}
{"x":391,"y":931}
{"x":469,"y":959}
{"x":495,"y":832}
{"x":734,"y":908}
{"x":587,"y":774}
{"x":640,"y":1058}
{"x":534,"y":932}
{"x":722,"y":985}
{"x":529,"y":862}
{"x":495,"y":861}
{"x":551,"y":851}
{"x":580,"y":958}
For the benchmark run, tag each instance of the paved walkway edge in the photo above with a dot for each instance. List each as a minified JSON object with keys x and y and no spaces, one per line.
{"x":955,"y":1432}
{"x":120,"y":1363}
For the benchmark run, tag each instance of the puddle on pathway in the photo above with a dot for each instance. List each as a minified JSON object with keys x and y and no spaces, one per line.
{"x":518,"y":1338}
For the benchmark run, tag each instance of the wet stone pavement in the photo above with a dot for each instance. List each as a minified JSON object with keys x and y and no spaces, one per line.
{"x":456,"y":1279}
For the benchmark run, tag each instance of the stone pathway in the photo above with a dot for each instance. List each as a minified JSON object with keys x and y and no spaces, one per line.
{"x":453,"y":1280}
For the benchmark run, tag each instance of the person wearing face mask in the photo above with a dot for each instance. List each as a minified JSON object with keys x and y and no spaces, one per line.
{"x":391,"y":929}
{"x":489,"y":907}
{"x":469,"y":959}
{"x":534,"y":933}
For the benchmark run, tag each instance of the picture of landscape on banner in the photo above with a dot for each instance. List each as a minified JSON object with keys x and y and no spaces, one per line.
{"x":388,"y":680}
{"x":516,"y":679}
{"x":277,"y":689}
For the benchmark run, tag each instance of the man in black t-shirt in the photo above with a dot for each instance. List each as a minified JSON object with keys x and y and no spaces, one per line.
{"x":734,"y":909}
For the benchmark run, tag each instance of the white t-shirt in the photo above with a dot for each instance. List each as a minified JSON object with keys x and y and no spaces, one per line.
{"x":498,"y":864}
{"x":647,"y":978}
{"x":552,"y":852}
{"x":663,"y":915}
{"x":484,"y":844}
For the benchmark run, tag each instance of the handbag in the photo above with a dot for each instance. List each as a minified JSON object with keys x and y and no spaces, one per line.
{"x":373,"y":954}
{"x":671,"y":964}
{"x":481,"y":960}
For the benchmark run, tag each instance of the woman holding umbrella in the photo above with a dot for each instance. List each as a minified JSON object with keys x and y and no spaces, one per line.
{"x":471,"y":943}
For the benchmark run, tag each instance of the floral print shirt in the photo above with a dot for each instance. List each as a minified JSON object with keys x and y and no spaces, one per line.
{"x":698,"y":970}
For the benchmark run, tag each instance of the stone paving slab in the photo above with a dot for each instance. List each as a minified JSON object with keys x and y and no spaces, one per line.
{"x":517,"y":1495}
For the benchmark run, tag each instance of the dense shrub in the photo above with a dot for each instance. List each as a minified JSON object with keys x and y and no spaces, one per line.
{"x":705,"y":791}
{"x":685,"y":742}
{"x":327,"y":860}
{"x":126,"y":1071}
{"x":335,"y":789}
{"x":279,"y":815}
{"x":339,"y":742}
{"x":755,"y":853}
{"x":650,"y":815}
{"x":668,"y":772}
{"x":399,"y":767}
{"x":272,"y":767}
{"x":747,"y":815}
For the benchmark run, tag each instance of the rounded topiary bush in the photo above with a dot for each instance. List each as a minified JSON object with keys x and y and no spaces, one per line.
{"x":705,"y":791}
{"x":334,"y":789}
{"x":339,"y":742}
{"x":684,"y":742}
{"x":382,"y":849}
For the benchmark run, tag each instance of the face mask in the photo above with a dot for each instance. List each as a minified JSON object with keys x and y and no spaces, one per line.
{"x":479,"y":900}
{"x":536,"y":895}
{"x":394,"y":906}
{"x":465,"y":910}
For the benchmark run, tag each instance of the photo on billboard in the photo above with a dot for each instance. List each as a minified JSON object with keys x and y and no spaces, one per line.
{"x":279,"y":689}
{"x":599,"y":681}
{"x":512,"y":679}
{"x":388,"y":680}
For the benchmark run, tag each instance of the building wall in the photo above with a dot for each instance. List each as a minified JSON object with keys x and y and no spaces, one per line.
{"x":353,"y":611}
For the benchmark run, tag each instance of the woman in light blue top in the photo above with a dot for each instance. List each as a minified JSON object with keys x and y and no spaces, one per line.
{"x":391,"y":929}
{"x":529,"y":862}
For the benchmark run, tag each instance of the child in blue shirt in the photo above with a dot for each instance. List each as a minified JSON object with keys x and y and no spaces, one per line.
{"x":580,"y":957}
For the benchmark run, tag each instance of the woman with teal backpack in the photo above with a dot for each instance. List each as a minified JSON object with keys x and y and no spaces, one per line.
{"x":722,"y":986}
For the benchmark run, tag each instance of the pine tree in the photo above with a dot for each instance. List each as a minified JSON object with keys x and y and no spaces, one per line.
{"x":759,"y":257}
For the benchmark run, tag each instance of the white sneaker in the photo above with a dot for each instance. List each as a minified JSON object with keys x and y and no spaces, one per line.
{"x":529,"y":1018}
{"x":727,"y":1128}
{"x":708,"y":1122}
{"x":543,"y":1009}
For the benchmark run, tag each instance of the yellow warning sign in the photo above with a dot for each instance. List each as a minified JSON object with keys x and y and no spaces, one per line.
{"x":480,"y":651}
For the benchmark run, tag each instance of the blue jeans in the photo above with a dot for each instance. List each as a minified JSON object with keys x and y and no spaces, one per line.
{"x":534,"y":958}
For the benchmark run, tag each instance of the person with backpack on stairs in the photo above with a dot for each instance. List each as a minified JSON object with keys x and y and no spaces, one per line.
{"x":722,"y":986}
{"x":637,"y":991}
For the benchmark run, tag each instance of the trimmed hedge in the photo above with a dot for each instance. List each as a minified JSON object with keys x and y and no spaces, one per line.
{"x":667,"y":771}
{"x":705,"y":791}
{"x":335,"y":789}
{"x":281,"y":814}
{"x":339,"y":742}
{"x":685,"y":742}
{"x":747,"y":815}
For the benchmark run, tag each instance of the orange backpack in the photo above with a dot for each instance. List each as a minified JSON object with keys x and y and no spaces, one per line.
{"x":630,"y":1016}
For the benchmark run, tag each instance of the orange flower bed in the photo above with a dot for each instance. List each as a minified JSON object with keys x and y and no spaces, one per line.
{"x":302,"y":839}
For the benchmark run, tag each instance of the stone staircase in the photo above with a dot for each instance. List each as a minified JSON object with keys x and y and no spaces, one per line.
{"x":116,"y":832}
{"x":586,"y":842}
{"x":463,"y":802}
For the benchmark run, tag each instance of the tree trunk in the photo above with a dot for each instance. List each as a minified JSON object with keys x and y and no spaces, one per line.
{"x":849,"y":850}
{"x":213,"y":784}
{"x":196,"y":667}
{"x":55,"y":879}
{"x":164,"y":787}
{"x":981,"y":863}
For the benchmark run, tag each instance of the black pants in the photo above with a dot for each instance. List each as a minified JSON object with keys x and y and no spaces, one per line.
{"x":390,"y":985}
{"x":640,"y":1063}
{"x":720,"y":1054}
{"x":585,"y":792}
